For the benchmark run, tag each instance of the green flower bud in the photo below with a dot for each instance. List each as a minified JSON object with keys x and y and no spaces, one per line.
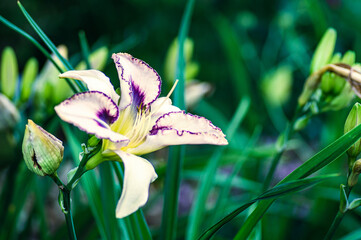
{"x":277,"y":84}
{"x":42,"y":151}
{"x":29,"y":75}
{"x":340,"y":82}
{"x":192,"y":68}
{"x":301,"y":123}
{"x":9,"y":115}
{"x":97,"y":59}
{"x":356,"y":170}
{"x":327,"y":80}
{"x":49,"y":89}
{"x":324,"y":50}
{"x":9,"y":72}
{"x":353,"y":120}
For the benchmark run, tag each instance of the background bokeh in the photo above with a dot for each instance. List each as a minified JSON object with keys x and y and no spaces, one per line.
{"x":240,"y":47}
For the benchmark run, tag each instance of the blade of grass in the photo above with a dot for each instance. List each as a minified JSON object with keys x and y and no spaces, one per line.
{"x":23,"y":186}
{"x":41,"y":48}
{"x":232,"y":50}
{"x":84,"y":48}
{"x":78,"y":85}
{"x":176,"y":153}
{"x":197,"y":213}
{"x":107,"y":190}
{"x":223,"y":195}
{"x":315,"y":163}
{"x":274,"y":193}
{"x":32,"y":40}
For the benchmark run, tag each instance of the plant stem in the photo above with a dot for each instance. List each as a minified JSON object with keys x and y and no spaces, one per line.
{"x":336,"y":222}
{"x":66,"y":205}
{"x":286,"y":135}
{"x":68,"y":215}
{"x":338,"y":218}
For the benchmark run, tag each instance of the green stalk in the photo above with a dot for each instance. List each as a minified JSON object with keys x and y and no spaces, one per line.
{"x":84,"y":48}
{"x":339,"y":216}
{"x":336,"y":222}
{"x":68,"y":214}
{"x":285,"y":137}
{"x":176,"y":153}
{"x":65,"y":205}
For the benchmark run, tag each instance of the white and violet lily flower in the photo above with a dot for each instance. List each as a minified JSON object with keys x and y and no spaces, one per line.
{"x":135,"y":123}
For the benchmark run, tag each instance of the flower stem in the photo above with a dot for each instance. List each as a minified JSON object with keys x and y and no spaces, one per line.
{"x":65,"y":205}
{"x":68,"y":215}
{"x":336,"y":222}
{"x":286,"y":135}
{"x":338,"y":218}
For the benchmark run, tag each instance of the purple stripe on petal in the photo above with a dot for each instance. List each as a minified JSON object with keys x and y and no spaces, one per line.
{"x":190,"y":118}
{"x":138,"y":96}
{"x":108,"y":114}
{"x":138,"y":79}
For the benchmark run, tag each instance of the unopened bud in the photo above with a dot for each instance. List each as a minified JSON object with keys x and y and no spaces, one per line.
{"x":42,"y":151}
{"x":9,"y":72}
{"x":324,"y":50}
{"x":356,"y":170}
{"x":93,"y":141}
{"x":353,"y":120}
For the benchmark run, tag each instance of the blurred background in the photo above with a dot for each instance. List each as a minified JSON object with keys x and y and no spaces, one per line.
{"x":259,"y":49}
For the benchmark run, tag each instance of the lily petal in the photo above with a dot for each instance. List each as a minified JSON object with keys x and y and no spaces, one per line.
{"x":138,"y":174}
{"x":162,"y":106}
{"x":139,"y":83}
{"x":95,"y":81}
{"x":177,"y":128}
{"x":92,"y":112}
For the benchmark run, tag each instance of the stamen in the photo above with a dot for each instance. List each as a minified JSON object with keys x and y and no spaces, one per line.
{"x":142,"y":122}
{"x":167,"y":97}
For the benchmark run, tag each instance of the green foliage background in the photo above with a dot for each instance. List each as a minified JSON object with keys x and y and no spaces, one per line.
{"x":239,"y":46}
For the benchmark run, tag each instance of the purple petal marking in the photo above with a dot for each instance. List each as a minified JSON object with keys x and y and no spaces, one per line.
{"x":106,"y":116}
{"x":136,"y":94}
{"x":103,"y":114}
{"x":157,"y":128}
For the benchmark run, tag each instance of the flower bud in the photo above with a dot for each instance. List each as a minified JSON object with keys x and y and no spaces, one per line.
{"x":324,"y":50}
{"x":9,"y":115}
{"x":9,"y":72}
{"x":42,"y":151}
{"x":356,"y":170}
{"x":353,"y":120}
{"x":28,"y":78}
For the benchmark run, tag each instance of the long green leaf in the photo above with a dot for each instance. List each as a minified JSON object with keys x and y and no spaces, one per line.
{"x":225,"y":190}
{"x":232,"y":50}
{"x":276,"y":192}
{"x":107,"y":190}
{"x":176,"y":153}
{"x":84,"y":49}
{"x":79,"y":87}
{"x":318,"y":161}
{"x":31,"y":39}
{"x":197,"y":213}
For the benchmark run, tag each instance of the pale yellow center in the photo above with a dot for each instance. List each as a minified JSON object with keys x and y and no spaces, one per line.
{"x":134,"y":126}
